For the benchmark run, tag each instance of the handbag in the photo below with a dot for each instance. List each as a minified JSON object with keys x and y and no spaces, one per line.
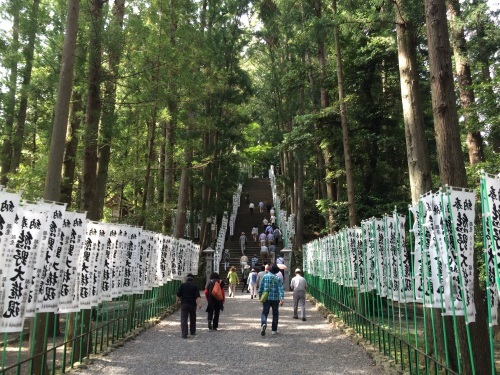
{"x":265,"y":295}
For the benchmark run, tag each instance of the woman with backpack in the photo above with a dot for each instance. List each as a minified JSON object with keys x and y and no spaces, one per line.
{"x":214,"y":291}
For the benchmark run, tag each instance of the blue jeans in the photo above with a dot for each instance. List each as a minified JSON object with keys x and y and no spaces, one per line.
{"x":265,"y":312}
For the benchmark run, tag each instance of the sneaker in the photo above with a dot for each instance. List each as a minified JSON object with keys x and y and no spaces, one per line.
{"x":263,"y":330}
{"x":274,"y":333}
{"x":209,"y":326}
{"x":193,"y":334}
{"x":184,"y":337}
{"x":296,"y":317}
{"x":303,"y":319}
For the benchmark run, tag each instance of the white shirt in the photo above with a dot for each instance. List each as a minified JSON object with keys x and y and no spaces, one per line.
{"x":298,"y":283}
{"x":280,"y":275}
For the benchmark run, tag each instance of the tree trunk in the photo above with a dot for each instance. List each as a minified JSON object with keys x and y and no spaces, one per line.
{"x":180,"y":217}
{"x":452,"y":166}
{"x":161,"y":176}
{"x":299,"y":228}
{"x":150,"y":161}
{"x":108,"y":110}
{"x":205,"y":192}
{"x":464,"y":80}
{"x":416,"y":143}
{"x":18,"y":136}
{"x":483,"y":58}
{"x":10,"y":103}
{"x":169,"y":167}
{"x":56,"y":154}
{"x":69,"y":163}
{"x":93,"y":111}
{"x":345,"y":130}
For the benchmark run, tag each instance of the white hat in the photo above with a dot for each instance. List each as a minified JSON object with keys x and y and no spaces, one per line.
{"x":247,"y":267}
{"x":298,"y":270}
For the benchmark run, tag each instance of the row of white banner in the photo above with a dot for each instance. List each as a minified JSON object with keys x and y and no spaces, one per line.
{"x":375,"y":256}
{"x":287,"y":226}
{"x":53,"y":260}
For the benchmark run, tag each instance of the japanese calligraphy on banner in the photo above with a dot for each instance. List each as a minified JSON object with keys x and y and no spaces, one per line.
{"x":382,"y":259}
{"x":98,"y":258}
{"x":85,"y":266}
{"x":416,"y":230}
{"x":9,"y":203}
{"x":460,"y":224}
{"x":54,"y":250}
{"x":19,"y":268}
{"x":370,"y":257}
{"x":433,"y":284}
{"x":52,"y":260}
{"x":490,"y":196}
{"x":68,"y":301}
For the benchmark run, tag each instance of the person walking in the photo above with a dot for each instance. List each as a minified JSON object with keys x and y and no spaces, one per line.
{"x":272,"y":284}
{"x":260,"y":275}
{"x":251,"y":206}
{"x":244,"y":277}
{"x":188,"y":295}
{"x":265,"y":222}
{"x":261,"y":206}
{"x":262,"y":239}
{"x":277,"y":235}
{"x":270,"y":238}
{"x":272,"y":253}
{"x":233,"y":279}
{"x":226,"y":257}
{"x":243,"y":242}
{"x":243,"y":262}
{"x":299,"y":285}
{"x":254,"y":261}
{"x":264,"y":253}
{"x":252,"y":283}
{"x":214,"y":306}
{"x":255,"y":233}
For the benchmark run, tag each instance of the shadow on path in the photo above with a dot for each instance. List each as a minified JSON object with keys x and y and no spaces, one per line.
{"x":311,"y":347}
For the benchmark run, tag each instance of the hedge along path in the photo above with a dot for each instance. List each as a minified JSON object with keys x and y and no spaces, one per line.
{"x":310,"y":347}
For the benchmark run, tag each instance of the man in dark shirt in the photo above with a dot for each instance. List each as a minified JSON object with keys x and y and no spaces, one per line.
{"x":189,"y":296}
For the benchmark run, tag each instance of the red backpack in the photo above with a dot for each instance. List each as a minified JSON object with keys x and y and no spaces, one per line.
{"x":217,"y":291}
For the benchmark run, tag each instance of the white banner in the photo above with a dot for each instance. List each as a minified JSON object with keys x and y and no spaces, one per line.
{"x":461,"y":223}
{"x":433,"y":286}
{"x":491,"y":220}
{"x":69,"y":293}
{"x":51,"y":277}
{"x":417,"y":252}
{"x":25,"y":235}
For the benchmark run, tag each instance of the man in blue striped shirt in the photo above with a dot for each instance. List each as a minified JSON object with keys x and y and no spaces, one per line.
{"x":270,"y":282}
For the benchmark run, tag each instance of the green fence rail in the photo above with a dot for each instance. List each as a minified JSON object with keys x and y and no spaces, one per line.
{"x":84,"y":333}
{"x":385,"y":324}
{"x":408,"y":286}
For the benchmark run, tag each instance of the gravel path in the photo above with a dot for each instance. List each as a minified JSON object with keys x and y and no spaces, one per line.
{"x":311,"y":347}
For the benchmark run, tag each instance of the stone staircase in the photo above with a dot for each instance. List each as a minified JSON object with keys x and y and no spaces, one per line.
{"x":259,"y":189}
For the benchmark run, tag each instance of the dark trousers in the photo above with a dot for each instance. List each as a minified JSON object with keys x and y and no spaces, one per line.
{"x":188,"y":311}
{"x":213,"y":315}
{"x":245,"y":284}
{"x":265,"y":312}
